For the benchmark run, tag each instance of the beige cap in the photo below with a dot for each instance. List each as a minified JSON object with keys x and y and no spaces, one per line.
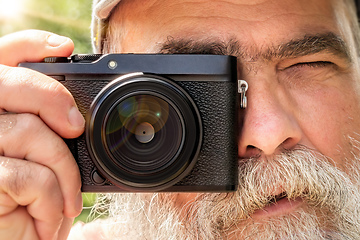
{"x":101,"y":12}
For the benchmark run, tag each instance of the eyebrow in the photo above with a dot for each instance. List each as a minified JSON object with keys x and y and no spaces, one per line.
{"x":309,"y":44}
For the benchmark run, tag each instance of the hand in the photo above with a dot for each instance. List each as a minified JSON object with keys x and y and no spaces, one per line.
{"x":39,"y":178}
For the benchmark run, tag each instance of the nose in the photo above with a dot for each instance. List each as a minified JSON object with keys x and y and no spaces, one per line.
{"x":269,"y":123}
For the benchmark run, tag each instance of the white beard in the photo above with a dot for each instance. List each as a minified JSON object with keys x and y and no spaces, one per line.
{"x":331,"y":211}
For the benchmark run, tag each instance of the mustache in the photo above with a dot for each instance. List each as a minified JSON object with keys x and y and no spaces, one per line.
{"x":292,"y":174}
{"x":296,"y":173}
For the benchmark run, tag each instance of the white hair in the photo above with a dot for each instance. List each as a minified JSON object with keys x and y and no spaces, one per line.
{"x":332,"y":208}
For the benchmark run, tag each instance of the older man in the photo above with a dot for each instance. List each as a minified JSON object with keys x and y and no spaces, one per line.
{"x":298,"y":141}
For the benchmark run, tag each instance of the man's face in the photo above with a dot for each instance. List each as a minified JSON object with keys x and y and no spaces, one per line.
{"x":303,"y":78}
{"x":305,"y":98}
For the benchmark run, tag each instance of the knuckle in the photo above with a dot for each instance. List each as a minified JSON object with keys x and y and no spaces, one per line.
{"x":18,"y":177}
{"x":48,"y":183}
{"x":28,"y":124}
{"x":63,"y":153}
{"x":37,"y":134}
{"x":14,"y":175}
{"x":57,"y":91}
{"x":47,"y":179}
{"x":27,"y":132}
{"x":18,"y":132}
{"x":40,"y":135}
{"x":7,"y":122}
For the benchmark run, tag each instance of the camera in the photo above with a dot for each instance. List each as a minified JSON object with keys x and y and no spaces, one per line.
{"x":154,"y":122}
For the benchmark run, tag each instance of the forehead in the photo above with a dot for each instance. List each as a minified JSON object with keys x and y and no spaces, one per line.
{"x":257,"y":21}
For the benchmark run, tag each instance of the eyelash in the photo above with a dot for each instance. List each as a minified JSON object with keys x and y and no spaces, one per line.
{"x":318,"y":64}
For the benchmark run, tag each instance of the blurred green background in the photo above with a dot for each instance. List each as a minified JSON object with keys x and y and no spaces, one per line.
{"x":65,"y":17}
{"x":70,"y":18}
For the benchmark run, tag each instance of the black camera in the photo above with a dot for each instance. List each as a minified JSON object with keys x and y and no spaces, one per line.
{"x":154,"y":122}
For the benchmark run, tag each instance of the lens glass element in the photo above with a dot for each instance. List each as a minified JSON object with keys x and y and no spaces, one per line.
{"x":143,"y":134}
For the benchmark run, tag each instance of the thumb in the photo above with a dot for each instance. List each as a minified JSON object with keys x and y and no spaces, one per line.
{"x":33,"y":46}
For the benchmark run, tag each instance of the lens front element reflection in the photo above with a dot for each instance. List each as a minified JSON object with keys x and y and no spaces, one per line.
{"x":143,"y":133}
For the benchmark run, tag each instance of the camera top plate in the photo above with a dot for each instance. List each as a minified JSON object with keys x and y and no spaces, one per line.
{"x":173,"y":64}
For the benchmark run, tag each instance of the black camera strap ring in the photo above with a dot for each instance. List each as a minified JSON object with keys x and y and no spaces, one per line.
{"x":242,"y":88}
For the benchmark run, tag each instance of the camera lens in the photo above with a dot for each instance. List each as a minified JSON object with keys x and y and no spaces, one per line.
{"x":143,"y":132}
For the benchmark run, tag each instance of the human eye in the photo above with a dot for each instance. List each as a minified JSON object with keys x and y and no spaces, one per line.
{"x":308,"y":70}
{"x":313,"y":65}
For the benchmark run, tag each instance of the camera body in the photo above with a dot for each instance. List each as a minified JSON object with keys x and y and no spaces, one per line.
{"x":153,"y":122}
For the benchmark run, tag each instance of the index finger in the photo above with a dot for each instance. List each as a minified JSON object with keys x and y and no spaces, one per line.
{"x":33,"y":46}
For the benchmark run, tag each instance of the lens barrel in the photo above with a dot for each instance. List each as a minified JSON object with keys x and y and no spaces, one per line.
{"x":143,"y":132}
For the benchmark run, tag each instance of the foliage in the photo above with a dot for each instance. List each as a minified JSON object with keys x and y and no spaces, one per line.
{"x":66,"y":17}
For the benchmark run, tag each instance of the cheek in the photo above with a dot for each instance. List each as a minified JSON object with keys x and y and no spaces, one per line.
{"x":328,"y":116}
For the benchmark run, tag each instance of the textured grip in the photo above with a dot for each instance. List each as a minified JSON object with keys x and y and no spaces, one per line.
{"x":217,"y":162}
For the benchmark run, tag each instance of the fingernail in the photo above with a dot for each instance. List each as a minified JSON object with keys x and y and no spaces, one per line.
{"x":56,"y":40}
{"x":79,"y":202}
{"x":75,"y":117}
